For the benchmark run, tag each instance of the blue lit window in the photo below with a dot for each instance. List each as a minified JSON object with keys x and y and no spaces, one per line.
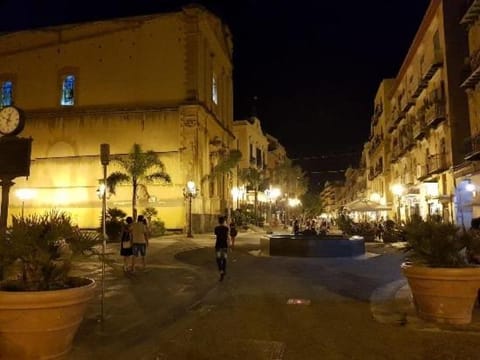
{"x":7,"y":91}
{"x":214,"y":90}
{"x":68,"y":87}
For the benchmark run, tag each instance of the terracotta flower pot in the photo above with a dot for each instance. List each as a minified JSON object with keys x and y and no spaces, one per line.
{"x":41,"y":324}
{"x":444,"y":295}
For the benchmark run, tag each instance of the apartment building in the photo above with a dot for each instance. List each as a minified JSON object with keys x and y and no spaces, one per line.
{"x":163,"y":81}
{"x":468,"y":174}
{"x":330,"y":197}
{"x":428,"y":119}
{"x":252,"y":143}
{"x":378,"y":152}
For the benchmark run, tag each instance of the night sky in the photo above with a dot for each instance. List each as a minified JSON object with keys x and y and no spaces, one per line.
{"x":314,"y":65}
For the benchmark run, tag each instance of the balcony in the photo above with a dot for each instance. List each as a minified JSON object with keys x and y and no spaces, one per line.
{"x":422,"y":84}
{"x":407,"y":105}
{"x":421,"y":172}
{"x":474,"y":76}
{"x":371,"y":174}
{"x":471,"y":14}
{"x":395,"y":156}
{"x":473,"y":152}
{"x":434,"y":63}
{"x":436,"y":163}
{"x":408,"y":178}
{"x":435,"y":114}
{"x":419,"y":129}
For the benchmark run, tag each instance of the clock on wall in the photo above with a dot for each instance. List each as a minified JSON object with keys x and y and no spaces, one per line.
{"x":11,"y":121}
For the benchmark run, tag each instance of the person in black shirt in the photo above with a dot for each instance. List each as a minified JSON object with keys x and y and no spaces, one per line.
{"x":221,"y":245}
{"x":233,"y":234}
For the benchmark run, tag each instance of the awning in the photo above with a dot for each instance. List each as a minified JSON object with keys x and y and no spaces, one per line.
{"x":366,"y":205}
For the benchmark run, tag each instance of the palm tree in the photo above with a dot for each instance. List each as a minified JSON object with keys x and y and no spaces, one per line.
{"x":141,"y":168}
{"x":254,"y":178}
{"x":224,"y":168}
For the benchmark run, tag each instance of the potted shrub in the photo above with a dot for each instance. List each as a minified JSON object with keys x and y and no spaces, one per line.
{"x":444,"y":283}
{"x":41,"y":306}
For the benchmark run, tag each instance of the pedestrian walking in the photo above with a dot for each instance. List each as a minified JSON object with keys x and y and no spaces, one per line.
{"x":233,"y":234}
{"x":296,"y":227}
{"x":126,"y":242}
{"x":140,"y":241}
{"x":221,"y":246}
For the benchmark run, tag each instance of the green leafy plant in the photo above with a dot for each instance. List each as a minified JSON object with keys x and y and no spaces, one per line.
{"x":38,"y":251}
{"x":155,"y":225}
{"x":114,"y":221}
{"x":437,"y":244}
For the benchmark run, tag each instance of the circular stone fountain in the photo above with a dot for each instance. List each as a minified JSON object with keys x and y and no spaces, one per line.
{"x":312,"y":245}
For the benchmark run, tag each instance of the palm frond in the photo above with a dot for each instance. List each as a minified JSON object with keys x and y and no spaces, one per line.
{"x":159,"y":175}
{"x":116,"y":178}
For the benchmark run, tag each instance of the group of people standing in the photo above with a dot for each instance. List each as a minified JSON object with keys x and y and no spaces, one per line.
{"x":134,"y":242}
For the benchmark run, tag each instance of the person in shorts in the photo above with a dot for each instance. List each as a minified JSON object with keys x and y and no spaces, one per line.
{"x":233,"y":234}
{"x":221,"y":245}
{"x":126,"y":242}
{"x":140,"y":241}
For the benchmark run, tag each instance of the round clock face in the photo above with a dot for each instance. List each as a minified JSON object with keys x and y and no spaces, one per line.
{"x":10,"y":121}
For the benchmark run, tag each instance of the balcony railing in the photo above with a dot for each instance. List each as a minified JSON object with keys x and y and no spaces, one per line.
{"x":472,"y":13}
{"x":435,"y":114}
{"x":436,"y":163}
{"x":421,"y":172}
{"x":434,"y":61}
{"x":408,"y":178}
{"x":474,"y":73}
{"x":473,"y":152}
{"x":419,"y":128}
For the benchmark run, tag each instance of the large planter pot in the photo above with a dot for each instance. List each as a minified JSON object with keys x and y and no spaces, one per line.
{"x":443,"y":295}
{"x":42,"y":324}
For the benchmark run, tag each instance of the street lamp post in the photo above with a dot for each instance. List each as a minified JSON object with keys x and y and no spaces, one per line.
{"x":104,"y":160}
{"x":189,"y":192}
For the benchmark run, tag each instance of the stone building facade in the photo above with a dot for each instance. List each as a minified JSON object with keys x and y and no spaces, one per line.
{"x":428,"y":121}
{"x":163,"y":81}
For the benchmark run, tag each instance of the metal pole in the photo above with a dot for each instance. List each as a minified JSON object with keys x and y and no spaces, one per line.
{"x":104,"y":232}
{"x":189,"y":233}
{"x":23,"y":208}
{"x":104,"y":160}
{"x":6,"y":184}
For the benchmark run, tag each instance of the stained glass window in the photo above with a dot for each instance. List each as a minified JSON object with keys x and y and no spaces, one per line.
{"x":68,"y":87}
{"x":214,"y":90}
{"x":7,"y":90}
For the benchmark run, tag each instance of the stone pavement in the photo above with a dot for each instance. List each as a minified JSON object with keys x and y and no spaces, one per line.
{"x":145,"y":311}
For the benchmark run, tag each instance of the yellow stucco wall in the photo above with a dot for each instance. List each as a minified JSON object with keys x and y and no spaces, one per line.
{"x":145,"y":80}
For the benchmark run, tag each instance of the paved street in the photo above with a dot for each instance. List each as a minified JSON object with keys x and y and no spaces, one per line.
{"x":178,"y":309}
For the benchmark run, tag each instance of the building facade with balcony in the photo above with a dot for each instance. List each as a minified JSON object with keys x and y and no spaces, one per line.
{"x":468,"y":173}
{"x":330,"y":196}
{"x":378,"y":151}
{"x":163,"y":81}
{"x":252,"y":143}
{"x":428,"y":121}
